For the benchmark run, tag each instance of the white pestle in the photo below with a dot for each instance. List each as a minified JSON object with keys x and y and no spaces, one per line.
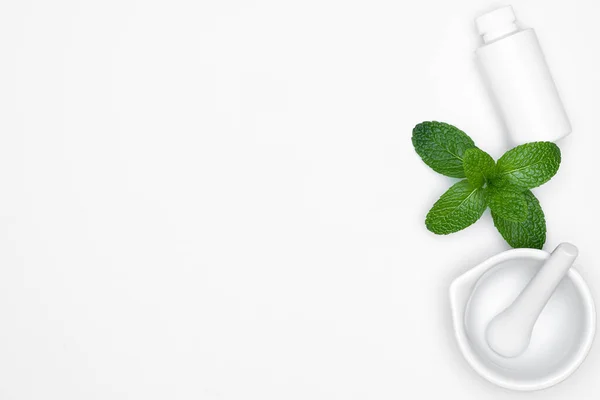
{"x":509,"y":333}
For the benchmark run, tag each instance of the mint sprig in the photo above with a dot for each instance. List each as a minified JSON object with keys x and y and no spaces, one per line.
{"x":503,"y":186}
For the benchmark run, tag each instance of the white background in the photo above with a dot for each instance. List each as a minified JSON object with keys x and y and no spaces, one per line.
{"x":219,"y":199}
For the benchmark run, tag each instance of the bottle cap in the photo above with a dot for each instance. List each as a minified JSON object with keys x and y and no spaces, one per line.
{"x":497,"y":24}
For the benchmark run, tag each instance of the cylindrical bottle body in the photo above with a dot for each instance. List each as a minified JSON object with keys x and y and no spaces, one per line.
{"x":520,"y":80}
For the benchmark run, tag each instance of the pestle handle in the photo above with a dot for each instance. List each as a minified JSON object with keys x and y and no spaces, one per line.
{"x":510,"y":331}
{"x":538,"y":291}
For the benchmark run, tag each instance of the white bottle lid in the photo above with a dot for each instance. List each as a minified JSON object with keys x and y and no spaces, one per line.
{"x":497,"y":24}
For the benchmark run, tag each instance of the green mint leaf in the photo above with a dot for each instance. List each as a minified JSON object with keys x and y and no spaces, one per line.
{"x":461,"y":206}
{"x":441,"y":146}
{"x":530,"y":233}
{"x":511,"y":206}
{"x":527,"y":166}
{"x":479,"y":166}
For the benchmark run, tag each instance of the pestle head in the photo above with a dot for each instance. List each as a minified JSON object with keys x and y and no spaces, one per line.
{"x":509,"y":333}
{"x":507,"y":338}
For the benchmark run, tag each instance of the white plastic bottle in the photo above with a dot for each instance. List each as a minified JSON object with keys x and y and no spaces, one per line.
{"x":516,"y":70}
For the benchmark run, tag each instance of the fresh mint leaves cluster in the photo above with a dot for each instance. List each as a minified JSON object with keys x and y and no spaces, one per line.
{"x":503,"y":186}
